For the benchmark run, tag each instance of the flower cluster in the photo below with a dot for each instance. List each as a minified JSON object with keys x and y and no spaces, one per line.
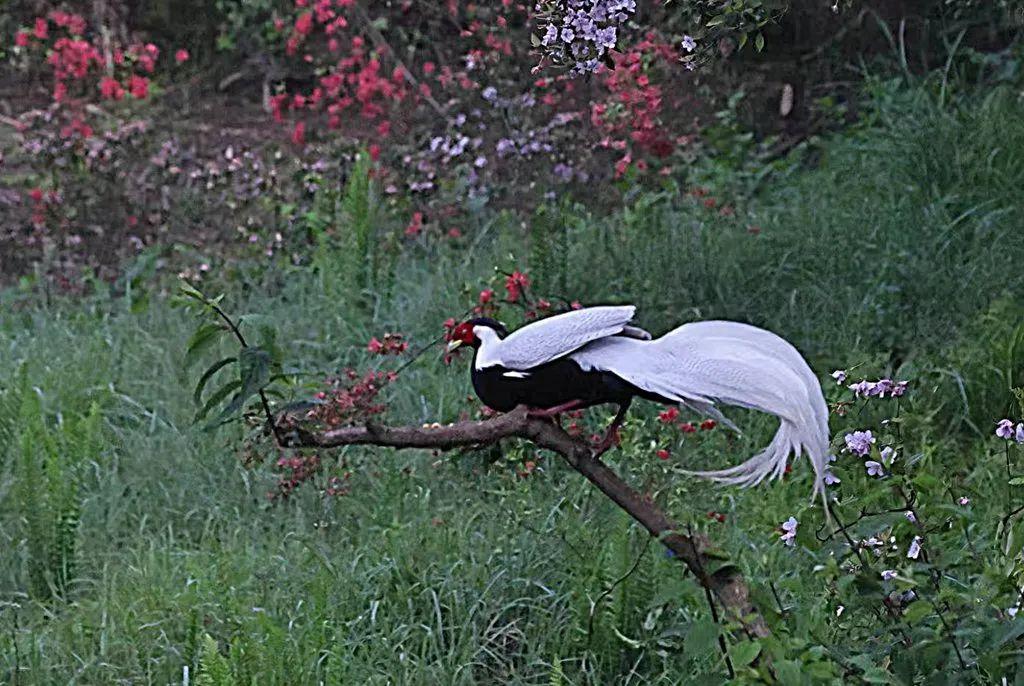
{"x":873,"y":389}
{"x":295,"y":471}
{"x":351,"y":399}
{"x":579,"y":33}
{"x":1006,"y":430}
{"x":390,"y":344}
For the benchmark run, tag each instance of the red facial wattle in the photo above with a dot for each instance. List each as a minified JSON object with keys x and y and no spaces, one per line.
{"x":464,"y":333}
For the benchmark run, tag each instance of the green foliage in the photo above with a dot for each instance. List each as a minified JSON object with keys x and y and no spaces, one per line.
{"x":456,"y":570}
{"x":47,"y":473}
{"x":214,"y":668}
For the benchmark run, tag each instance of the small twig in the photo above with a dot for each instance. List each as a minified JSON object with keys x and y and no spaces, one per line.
{"x":605,"y":593}
{"x":267,"y":412}
{"x":722,"y":645}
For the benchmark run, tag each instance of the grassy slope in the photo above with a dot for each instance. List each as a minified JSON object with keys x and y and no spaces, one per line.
{"x":457,"y":573}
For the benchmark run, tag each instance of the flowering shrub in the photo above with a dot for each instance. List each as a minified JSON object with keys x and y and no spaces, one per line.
{"x":580,"y":33}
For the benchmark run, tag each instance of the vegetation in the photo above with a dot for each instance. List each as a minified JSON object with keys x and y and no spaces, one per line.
{"x":142,"y":548}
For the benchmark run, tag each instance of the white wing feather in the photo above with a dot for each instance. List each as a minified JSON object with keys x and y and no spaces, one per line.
{"x":703,"y":363}
{"x":548,"y":339}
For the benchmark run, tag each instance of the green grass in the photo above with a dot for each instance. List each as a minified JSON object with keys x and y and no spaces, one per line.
{"x":901,"y":250}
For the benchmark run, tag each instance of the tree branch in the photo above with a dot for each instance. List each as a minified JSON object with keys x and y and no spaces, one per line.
{"x":711,"y":570}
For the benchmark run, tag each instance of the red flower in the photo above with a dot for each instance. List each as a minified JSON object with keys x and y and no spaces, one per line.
{"x":374,"y":152}
{"x":22,"y":39}
{"x":663,"y":454}
{"x":299,"y":133}
{"x":687,"y":428}
{"x":110,"y":89}
{"x":36,"y":194}
{"x":138,"y":86}
{"x":181,"y":55}
{"x":669,"y":415}
{"x":708,"y":424}
{"x":41,"y":30}
{"x":486,"y":296}
{"x":415,"y":224}
{"x":515,"y":284}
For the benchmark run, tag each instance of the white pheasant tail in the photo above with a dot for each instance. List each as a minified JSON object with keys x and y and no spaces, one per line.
{"x":705,"y":363}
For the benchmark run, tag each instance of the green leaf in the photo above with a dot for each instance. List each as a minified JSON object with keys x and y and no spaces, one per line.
{"x":1016,"y":481}
{"x":188,"y":289}
{"x":254,"y":373}
{"x":204,"y":337}
{"x":759,"y":42}
{"x":207,"y":375}
{"x":700,"y":639}
{"x":917,"y":611}
{"x":745,"y":653}
{"x":217,"y":398}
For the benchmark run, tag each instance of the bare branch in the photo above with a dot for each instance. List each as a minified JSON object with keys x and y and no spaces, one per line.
{"x":695,"y":550}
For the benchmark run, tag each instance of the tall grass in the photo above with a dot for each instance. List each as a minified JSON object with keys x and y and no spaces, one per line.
{"x":136,"y":546}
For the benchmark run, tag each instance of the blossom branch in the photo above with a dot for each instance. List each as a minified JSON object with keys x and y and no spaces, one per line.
{"x":695,"y":550}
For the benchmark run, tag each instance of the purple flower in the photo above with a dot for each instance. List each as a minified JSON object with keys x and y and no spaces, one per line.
{"x":839,"y":375}
{"x":689,"y":44}
{"x":888,"y":574}
{"x":898,"y":389}
{"x":862,"y":387}
{"x":605,"y":38}
{"x":1004,"y":429}
{"x":563,"y":171}
{"x":789,"y":531}
{"x":489,"y":94}
{"x":888,"y":455}
{"x":830,"y":479}
{"x":963,"y":500}
{"x":874,"y":468}
{"x":1019,"y":435}
{"x":909,"y":514}
{"x":550,"y":36}
{"x":915,"y":548}
{"x":567,"y":35}
{"x":859,"y":442}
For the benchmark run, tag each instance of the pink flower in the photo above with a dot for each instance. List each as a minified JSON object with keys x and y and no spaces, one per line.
{"x":515,"y":284}
{"x":181,"y":55}
{"x":486,"y":296}
{"x":138,"y":86}
{"x":375,"y":346}
{"x":22,"y":39}
{"x":110,"y":89}
{"x":299,"y":133}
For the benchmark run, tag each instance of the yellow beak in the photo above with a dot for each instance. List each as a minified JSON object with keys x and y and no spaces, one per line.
{"x":454,"y":345}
